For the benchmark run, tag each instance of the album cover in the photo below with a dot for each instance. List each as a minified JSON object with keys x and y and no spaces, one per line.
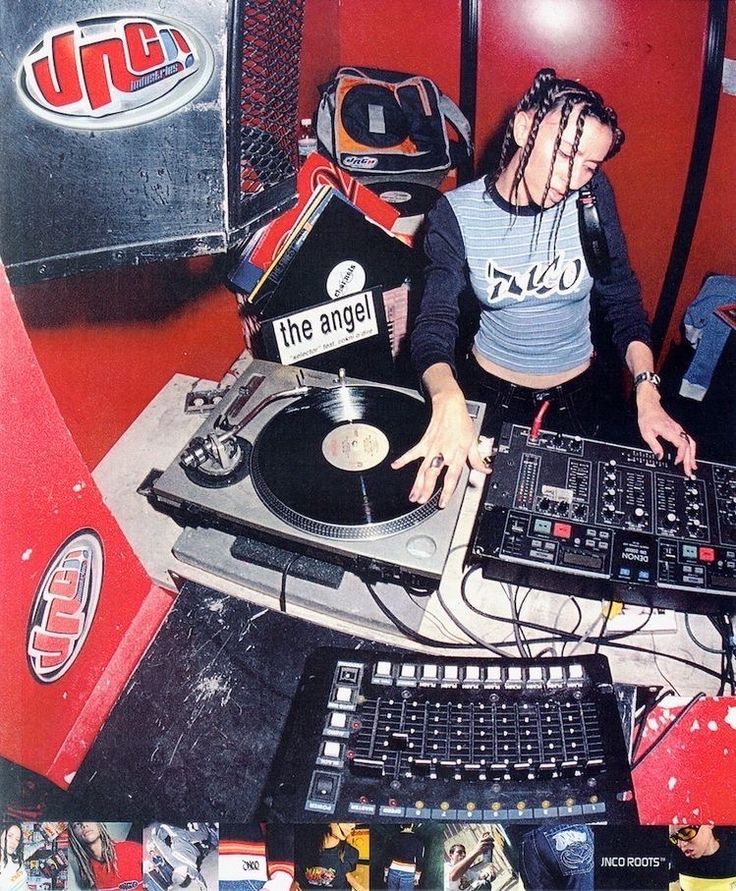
{"x":336,"y":252}
{"x":349,"y":332}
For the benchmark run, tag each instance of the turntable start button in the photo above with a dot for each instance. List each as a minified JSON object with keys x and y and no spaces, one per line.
{"x":421,"y":546}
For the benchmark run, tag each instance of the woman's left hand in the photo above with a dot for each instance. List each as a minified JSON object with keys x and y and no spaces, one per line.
{"x":656,"y":424}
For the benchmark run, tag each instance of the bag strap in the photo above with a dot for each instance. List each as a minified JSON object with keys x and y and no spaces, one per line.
{"x":453,"y":114}
{"x":592,"y":236}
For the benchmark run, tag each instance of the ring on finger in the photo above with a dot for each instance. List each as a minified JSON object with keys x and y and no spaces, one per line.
{"x":437,"y":461}
{"x":684,"y":436}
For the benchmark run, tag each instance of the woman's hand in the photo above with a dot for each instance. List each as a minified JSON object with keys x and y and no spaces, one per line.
{"x":655,"y":422}
{"x":449,"y":441}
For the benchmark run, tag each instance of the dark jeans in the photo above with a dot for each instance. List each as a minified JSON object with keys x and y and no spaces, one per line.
{"x":575,"y":406}
{"x":560,"y":856}
{"x":398,"y":880}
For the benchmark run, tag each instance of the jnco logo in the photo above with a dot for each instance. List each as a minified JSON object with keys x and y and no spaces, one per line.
{"x":65,"y":606}
{"x":355,"y":162}
{"x":114,"y":72}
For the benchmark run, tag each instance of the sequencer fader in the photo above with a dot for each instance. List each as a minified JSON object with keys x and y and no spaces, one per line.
{"x":396,"y":736}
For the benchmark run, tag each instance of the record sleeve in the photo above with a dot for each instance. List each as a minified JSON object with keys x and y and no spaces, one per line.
{"x":350,"y":332}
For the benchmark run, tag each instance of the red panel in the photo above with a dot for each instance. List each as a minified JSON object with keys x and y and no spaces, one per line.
{"x":693,"y":764}
{"x":55,"y":704}
{"x":714,"y":244}
{"x":404,"y":35}
{"x":105,"y":359}
{"x":646,"y":60}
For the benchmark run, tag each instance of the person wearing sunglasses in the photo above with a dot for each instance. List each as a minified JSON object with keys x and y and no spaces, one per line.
{"x":704,"y":859}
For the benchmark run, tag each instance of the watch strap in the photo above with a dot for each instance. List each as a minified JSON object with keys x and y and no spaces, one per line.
{"x":649,"y":377}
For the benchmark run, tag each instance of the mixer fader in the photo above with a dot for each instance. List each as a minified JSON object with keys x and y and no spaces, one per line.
{"x":580,"y":516}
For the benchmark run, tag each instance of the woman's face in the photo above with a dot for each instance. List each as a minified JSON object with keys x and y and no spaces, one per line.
{"x":11,"y":839}
{"x":595,"y":143}
{"x":87,"y":833}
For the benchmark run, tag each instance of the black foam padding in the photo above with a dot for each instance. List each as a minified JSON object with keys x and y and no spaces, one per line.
{"x":295,"y":565}
{"x":196,"y":729}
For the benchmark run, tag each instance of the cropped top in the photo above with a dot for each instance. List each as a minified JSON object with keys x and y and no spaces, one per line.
{"x":528,"y":273}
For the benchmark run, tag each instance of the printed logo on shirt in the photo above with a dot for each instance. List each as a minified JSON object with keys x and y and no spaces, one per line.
{"x":65,"y":606}
{"x":114,"y":71}
{"x":558,"y":276}
{"x":322,"y":876}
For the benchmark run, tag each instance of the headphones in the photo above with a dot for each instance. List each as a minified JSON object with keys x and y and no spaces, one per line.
{"x":592,"y":236}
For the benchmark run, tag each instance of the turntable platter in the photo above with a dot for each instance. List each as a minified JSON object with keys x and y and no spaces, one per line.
{"x":322,"y":464}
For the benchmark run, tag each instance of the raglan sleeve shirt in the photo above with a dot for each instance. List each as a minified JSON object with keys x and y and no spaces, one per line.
{"x":446,"y":276}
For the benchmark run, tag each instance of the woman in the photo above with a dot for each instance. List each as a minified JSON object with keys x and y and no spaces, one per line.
{"x":12,"y":869}
{"x":405,"y":860}
{"x":515,"y":238}
{"x":328,"y":860}
{"x":103,"y":863}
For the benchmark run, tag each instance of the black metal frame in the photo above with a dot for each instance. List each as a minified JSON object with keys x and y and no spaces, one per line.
{"x":697,"y":171}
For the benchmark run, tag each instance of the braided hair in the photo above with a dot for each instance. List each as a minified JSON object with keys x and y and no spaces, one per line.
{"x":547,"y":94}
{"x":83,"y":855}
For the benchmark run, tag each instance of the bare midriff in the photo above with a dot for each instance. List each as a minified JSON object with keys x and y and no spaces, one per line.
{"x":533,"y":381}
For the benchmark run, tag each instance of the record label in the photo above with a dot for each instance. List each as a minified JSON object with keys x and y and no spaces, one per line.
{"x":410,"y":199}
{"x":355,"y":447}
{"x":323,"y":462}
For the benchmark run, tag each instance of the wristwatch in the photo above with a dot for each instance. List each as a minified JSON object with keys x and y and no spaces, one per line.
{"x":648,"y":376}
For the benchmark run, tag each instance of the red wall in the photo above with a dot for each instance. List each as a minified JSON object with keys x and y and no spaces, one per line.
{"x":646,"y":60}
{"x":714,"y":244}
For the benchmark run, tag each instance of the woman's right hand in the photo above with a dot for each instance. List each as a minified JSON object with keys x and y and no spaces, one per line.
{"x":449,"y":441}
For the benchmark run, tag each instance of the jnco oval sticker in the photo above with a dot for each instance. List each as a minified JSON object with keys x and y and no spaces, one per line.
{"x":114,"y":71}
{"x":65,"y":606}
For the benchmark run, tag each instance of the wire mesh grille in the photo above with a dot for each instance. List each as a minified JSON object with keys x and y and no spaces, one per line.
{"x":268,"y":92}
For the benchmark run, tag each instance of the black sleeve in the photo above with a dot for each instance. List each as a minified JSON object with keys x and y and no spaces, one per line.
{"x":436,"y":329}
{"x":351,"y":858}
{"x":619,"y":292}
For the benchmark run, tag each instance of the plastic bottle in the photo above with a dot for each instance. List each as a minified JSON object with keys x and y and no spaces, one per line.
{"x":306,"y":140}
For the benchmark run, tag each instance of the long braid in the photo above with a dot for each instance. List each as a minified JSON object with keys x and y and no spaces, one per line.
{"x":546,"y":94}
{"x":83,"y":856}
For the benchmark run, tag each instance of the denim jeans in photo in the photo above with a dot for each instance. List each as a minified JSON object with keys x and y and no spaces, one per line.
{"x":558,"y":856}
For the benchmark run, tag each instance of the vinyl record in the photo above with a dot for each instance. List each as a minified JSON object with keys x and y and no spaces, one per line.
{"x":322,"y":463}
{"x":409,"y":199}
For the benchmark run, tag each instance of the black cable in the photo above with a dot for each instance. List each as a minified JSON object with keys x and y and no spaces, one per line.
{"x":524,"y":650}
{"x":694,"y":639}
{"x":479,"y":641}
{"x":637,"y":760}
{"x":406,"y":630}
{"x":641,"y":721}
{"x":610,"y":642}
{"x":606,"y":617}
{"x":284,"y":576}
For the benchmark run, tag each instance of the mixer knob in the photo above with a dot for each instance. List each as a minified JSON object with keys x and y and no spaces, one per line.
{"x":544,"y":503}
{"x":670,"y":521}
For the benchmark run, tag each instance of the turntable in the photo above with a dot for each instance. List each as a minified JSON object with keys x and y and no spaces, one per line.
{"x":301,"y":459}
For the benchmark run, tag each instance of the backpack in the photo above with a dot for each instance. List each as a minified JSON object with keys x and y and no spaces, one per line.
{"x":372,"y":121}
